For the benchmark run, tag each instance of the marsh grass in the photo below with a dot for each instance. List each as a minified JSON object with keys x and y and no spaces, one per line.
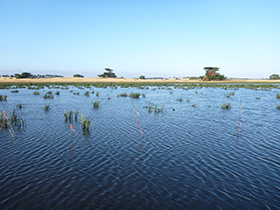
{"x":230,"y":94}
{"x":95,"y":104}
{"x":134,"y":95}
{"x":179,"y":99}
{"x":85,"y":123}
{"x":123,"y":95}
{"x":278,"y":96}
{"x":15,"y":120}
{"x":47,"y":107}
{"x":154,"y":107}
{"x":57,"y":93}
{"x":3,"y":98}
{"x":68,"y":115}
{"x":48,"y":95}
{"x":86,"y":93}
{"x":194,"y":105}
{"x":97,"y":94}
{"x":36,"y":93}
{"x":19,"y":106}
{"x":226,"y":105}
{"x":76,"y":114}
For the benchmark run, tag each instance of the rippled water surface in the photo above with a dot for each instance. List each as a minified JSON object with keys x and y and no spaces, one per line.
{"x":190,"y":157}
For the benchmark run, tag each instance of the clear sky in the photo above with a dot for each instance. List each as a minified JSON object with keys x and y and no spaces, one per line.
{"x":144,"y":37}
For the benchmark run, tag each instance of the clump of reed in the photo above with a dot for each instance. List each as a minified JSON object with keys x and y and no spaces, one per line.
{"x":47,"y":107}
{"x":226,"y":105}
{"x":97,"y":94}
{"x":123,"y":95}
{"x":85,"y":123}
{"x":36,"y":93}
{"x":154,"y":107}
{"x":258,"y":98}
{"x":95,"y":104}
{"x":48,"y":95}
{"x":57,"y":93}
{"x":68,"y":115}
{"x":14,"y":91}
{"x":179,"y":99}
{"x":230,"y":94}
{"x":19,"y":106}
{"x":277,"y":106}
{"x":278,"y":96}
{"x":76,"y":114}
{"x":3,"y":98}
{"x":134,"y":95}
{"x":86,"y":93}
{"x":194,"y":105}
{"x":14,"y":120}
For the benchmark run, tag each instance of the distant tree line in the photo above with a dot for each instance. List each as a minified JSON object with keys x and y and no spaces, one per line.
{"x":31,"y":76}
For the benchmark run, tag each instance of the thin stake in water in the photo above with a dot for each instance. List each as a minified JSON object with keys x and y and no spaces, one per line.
{"x":72,"y":129}
{"x":239,"y":119}
{"x":137,"y":121}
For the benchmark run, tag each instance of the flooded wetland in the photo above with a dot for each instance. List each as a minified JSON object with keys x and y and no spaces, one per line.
{"x":171,"y":146}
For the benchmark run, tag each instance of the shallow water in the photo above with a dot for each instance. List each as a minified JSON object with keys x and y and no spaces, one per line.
{"x":190,"y":157}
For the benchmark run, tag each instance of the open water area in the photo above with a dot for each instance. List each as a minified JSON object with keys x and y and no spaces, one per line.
{"x":193,"y":154}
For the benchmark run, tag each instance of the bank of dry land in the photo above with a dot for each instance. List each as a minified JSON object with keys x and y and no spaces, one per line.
{"x":69,"y":80}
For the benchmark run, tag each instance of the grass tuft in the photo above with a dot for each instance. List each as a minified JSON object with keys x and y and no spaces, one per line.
{"x":134,"y":95}
{"x":95,"y":104}
{"x":226,"y":105}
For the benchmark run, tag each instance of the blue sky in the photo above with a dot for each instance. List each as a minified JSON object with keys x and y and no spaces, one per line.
{"x":151,"y":38}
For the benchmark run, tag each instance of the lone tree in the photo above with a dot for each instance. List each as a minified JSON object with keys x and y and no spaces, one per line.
{"x":107,"y":74}
{"x":212,"y":74}
{"x":274,"y":76}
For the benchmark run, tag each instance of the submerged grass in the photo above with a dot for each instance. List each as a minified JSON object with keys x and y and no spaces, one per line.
{"x":14,"y":120}
{"x":134,"y":95}
{"x":95,"y":104}
{"x":47,"y":107}
{"x":85,"y":123}
{"x":226,"y":105}
{"x":154,"y":107}
{"x":3,"y":98}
